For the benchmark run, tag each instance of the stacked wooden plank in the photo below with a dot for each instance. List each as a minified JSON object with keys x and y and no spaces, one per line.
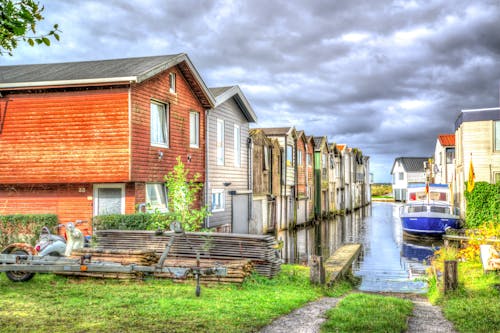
{"x":122,"y":256}
{"x":260,"y":250}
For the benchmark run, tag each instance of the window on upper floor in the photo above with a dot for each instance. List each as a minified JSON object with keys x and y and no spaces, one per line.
{"x":156,"y":197}
{"x":171,"y":79}
{"x":450,"y":155}
{"x":299,"y":157}
{"x":265,"y":157}
{"x":237,"y":145}
{"x":194,"y":129}
{"x":289,"y":156}
{"x":308,"y":160}
{"x":497,"y":135}
{"x":401,"y":176}
{"x":220,"y":142}
{"x":159,"y":124}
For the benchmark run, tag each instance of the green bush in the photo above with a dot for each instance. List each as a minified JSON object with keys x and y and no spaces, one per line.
{"x":138,"y":221}
{"x":483,"y":204}
{"x":24,"y":228}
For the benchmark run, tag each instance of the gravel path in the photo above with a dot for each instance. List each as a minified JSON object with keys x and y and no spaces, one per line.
{"x":426,"y":318}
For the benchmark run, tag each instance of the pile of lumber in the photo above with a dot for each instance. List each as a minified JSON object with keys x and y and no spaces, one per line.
{"x":122,"y":256}
{"x":258,"y":249}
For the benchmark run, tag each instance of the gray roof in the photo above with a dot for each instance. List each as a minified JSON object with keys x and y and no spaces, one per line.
{"x":411,"y":164}
{"x":100,"y":71}
{"x":319,"y":141}
{"x":222,"y":94}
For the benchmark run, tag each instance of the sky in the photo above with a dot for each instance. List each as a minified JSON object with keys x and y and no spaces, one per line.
{"x":385,"y":77}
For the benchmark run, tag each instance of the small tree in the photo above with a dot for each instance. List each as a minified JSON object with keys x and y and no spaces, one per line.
{"x":182,"y":195}
{"x":18,"y":19}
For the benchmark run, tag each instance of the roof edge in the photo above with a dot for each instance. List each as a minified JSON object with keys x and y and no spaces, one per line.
{"x":241,"y":100}
{"x":67,"y":82}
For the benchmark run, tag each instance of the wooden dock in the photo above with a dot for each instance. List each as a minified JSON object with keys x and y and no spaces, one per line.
{"x":341,"y":262}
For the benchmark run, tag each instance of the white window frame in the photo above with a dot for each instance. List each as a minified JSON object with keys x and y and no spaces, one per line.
{"x":221,"y":200}
{"x":194,"y":129}
{"x":299,"y":157}
{"x":156,"y":126}
{"x":496,"y":135}
{"x":158,"y":187}
{"x":237,"y":145}
{"x":220,"y":142}
{"x":172,"y":78}
{"x":289,"y":156}
{"x":111,"y":185}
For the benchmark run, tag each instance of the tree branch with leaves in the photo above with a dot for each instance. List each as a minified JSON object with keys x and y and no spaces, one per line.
{"x":18,"y":22}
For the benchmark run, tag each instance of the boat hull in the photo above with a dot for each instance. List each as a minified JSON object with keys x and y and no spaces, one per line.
{"x":429,"y":225}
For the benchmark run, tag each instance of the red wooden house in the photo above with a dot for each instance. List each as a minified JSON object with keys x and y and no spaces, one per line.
{"x":87,"y":138}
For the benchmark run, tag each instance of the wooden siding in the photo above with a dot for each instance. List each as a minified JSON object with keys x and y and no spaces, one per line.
{"x":301,"y":168}
{"x":261,"y":177}
{"x":230,"y":112}
{"x":310,"y":178}
{"x":146,"y":164}
{"x":70,"y":202}
{"x":65,"y":137}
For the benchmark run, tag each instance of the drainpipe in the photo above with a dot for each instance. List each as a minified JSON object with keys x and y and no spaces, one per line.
{"x":250,"y":178}
{"x":207,"y":145}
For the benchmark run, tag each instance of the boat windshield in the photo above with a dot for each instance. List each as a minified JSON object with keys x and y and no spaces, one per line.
{"x":417,"y":209}
{"x":440,"y":209}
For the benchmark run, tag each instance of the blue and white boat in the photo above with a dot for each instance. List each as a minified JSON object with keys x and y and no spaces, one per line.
{"x":428,"y":211}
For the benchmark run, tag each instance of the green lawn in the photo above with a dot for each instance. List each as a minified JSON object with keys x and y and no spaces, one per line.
{"x":368,"y":313}
{"x":475,"y":306}
{"x":50,"y":303}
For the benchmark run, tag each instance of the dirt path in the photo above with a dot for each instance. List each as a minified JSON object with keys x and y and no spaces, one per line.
{"x":308,"y":319}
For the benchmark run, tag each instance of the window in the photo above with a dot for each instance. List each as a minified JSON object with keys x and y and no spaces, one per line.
{"x":308,"y":159}
{"x":450,"y":155}
{"x":109,"y":199}
{"x":218,"y":200}
{"x":159,"y":124}
{"x":266,"y":157}
{"x":171,"y":78}
{"x":194,"y":129}
{"x":401,"y":176}
{"x":237,"y":146}
{"x":497,"y":135}
{"x":299,"y":157}
{"x":220,"y":142}
{"x":156,"y":197}
{"x":289,"y":155}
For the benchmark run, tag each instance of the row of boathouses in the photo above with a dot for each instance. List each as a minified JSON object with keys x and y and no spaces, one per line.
{"x":89,"y":138}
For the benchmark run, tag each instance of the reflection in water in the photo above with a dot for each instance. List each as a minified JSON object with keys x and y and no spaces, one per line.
{"x":389,"y":261}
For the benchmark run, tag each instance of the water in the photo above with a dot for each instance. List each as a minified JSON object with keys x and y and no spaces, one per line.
{"x":389,"y":262}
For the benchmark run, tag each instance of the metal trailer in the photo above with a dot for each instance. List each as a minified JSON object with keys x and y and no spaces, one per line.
{"x":21,"y":266}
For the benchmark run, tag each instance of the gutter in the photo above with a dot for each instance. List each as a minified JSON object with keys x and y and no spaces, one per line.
{"x":125,"y":79}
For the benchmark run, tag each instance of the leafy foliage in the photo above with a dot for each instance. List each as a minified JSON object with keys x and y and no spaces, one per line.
{"x":477,"y":237}
{"x":483,"y":204}
{"x":138,"y":221}
{"x":24,"y":228}
{"x":182,"y":195}
{"x":18,"y":19}
{"x":381,"y":190}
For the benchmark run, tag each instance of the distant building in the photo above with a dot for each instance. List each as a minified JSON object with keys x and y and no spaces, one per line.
{"x":477,"y":134}
{"x":405,"y":171}
{"x":444,"y":159}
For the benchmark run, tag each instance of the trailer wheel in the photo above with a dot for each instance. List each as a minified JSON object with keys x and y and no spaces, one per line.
{"x":18,"y":276}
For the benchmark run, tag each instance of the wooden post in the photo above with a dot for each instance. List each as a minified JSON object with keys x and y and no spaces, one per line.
{"x":450,"y":275}
{"x":317,"y":270}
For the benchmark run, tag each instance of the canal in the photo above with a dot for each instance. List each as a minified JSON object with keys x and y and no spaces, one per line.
{"x":389,"y":262}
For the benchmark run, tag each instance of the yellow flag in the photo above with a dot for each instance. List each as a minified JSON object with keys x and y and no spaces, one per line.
{"x":472,"y":175}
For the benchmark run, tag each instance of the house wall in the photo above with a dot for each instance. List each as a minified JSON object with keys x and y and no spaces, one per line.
{"x":71,"y":202}
{"x":146,"y":166}
{"x":230,"y":112}
{"x":65,"y":137}
{"x":474,"y":140}
{"x":310,"y":181}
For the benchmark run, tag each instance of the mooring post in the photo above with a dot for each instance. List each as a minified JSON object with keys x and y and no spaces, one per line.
{"x":317,"y":270}
{"x":450,"y":275}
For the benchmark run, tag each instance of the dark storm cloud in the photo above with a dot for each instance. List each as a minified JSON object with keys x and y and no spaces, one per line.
{"x":383,"y":76}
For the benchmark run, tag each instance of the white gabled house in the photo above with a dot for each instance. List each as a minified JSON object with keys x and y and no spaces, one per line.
{"x":405,"y":171}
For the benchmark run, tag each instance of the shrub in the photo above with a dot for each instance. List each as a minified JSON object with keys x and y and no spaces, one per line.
{"x":483,"y":205}
{"x":24,"y":228}
{"x":477,"y":237}
{"x":138,"y":221}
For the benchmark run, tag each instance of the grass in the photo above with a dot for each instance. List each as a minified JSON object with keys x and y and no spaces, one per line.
{"x":51,"y":303}
{"x":475,"y":305}
{"x":368,"y":313}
